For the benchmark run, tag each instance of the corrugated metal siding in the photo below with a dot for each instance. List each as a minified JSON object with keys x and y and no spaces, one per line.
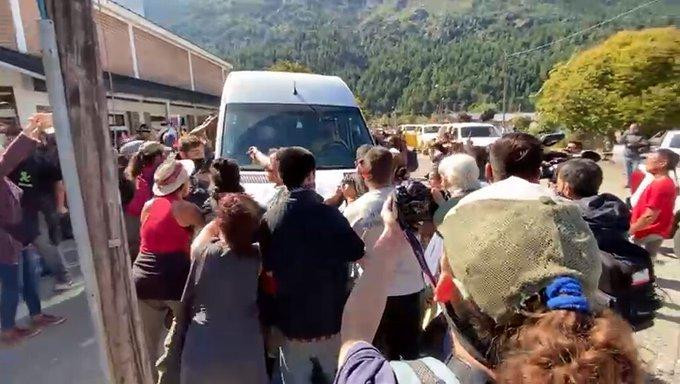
{"x":160,"y":61}
{"x":7,"y":37}
{"x":207,"y":76}
{"x":114,"y":45}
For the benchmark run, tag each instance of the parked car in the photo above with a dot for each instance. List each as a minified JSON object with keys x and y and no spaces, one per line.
{"x":427,"y":134}
{"x":481,"y":134}
{"x":410,"y":133}
{"x":671,"y":140}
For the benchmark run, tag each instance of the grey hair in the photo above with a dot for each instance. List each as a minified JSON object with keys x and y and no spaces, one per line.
{"x":459,"y":173}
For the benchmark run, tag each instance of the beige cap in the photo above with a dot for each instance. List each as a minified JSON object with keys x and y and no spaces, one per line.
{"x":503,"y":251}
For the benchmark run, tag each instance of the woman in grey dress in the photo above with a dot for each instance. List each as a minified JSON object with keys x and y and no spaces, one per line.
{"x":219,"y":340}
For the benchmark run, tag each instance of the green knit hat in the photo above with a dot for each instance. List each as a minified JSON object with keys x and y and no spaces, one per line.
{"x":503,"y":251}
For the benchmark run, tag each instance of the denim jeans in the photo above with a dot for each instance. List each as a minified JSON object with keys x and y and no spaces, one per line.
{"x":53,"y":259}
{"x":9,"y":297}
{"x":631,"y":165}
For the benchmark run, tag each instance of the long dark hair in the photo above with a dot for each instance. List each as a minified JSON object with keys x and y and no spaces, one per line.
{"x":225,"y":176}
{"x":138,"y":162}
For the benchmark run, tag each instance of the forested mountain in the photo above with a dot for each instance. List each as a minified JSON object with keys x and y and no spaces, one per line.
{"x":412,"y":56}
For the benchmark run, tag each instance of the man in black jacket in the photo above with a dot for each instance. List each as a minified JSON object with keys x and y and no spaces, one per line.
{"x":607,"y":216}
{"x":307,"y":246}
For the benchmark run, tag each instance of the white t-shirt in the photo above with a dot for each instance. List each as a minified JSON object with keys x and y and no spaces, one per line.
{"x":364,"y":216}
{"x":512,"y":188}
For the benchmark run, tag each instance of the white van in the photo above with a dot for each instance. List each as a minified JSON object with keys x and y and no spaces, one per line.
{"x":481,"y":134}
{"x":277,"y":109}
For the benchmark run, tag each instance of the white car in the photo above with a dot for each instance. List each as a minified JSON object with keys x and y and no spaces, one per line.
{"x":276,"y":109}
{"x":427,"y":134}
{"x":671,"y":140}
{"x":481,"y":134}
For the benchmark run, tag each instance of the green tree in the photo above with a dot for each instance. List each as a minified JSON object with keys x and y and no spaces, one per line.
{"x":289,"y":66}
{"x":632,"y":76}
{"x":450,"y":61}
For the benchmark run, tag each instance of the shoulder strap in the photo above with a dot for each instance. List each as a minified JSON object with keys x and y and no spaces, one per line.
{"x":423,"y":371}
{"x":420,"y":255}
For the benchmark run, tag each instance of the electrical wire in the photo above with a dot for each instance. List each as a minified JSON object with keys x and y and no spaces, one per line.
{"x":519,"y":53}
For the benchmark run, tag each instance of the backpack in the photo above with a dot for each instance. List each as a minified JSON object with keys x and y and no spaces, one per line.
{"x":429,"y":370}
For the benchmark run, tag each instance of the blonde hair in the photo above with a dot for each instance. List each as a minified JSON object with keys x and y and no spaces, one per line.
{"x":459,"y":172}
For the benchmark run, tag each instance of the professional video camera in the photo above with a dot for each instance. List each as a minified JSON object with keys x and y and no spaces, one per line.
{"x":415,"y":204}
{"x":552,"y":159}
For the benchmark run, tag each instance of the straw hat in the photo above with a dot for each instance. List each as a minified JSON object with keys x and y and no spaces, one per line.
{"x":171,"y":175}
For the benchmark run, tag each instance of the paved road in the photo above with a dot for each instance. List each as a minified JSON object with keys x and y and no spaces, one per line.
{"x":68,"y":353}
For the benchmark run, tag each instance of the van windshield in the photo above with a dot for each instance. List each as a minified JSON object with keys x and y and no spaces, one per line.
{"x":332,"y":133}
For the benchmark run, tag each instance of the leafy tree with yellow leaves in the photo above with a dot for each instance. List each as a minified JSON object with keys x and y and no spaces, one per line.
{"x":632,"y":76}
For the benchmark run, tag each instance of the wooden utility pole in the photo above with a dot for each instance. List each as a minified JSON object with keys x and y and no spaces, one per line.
{"x":73,"y":71}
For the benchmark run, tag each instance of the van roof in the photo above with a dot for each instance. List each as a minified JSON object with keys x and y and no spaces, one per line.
{"x":266,"y":87}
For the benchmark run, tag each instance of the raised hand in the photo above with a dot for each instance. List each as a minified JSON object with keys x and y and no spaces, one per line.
{"x":38,"y":123}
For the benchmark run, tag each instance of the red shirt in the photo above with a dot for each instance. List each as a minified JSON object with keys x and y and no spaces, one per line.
{"x":636,"y":179}
{"x":659,"y":196}
{"x":160,"y":233}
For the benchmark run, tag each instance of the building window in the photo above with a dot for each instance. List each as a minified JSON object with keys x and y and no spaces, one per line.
{"x":116,"y":120}
{"x":39,"y":85}
{"x":7,"y":104}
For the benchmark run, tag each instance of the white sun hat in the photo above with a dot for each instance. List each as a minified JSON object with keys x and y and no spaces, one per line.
{"x":171,"y":175}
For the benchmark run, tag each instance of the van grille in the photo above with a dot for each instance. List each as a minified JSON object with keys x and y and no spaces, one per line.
{"x":262,"y":179}
{"x":254,"y":179}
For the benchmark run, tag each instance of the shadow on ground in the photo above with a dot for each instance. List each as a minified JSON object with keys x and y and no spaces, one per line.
{"x":67,"y":353}
{"x":668,"y":284}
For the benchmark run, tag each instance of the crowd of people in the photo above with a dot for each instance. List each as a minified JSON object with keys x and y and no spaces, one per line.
{"x":304,"y":289}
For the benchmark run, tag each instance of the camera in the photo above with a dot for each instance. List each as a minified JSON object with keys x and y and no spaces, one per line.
{"x":415,"y":204}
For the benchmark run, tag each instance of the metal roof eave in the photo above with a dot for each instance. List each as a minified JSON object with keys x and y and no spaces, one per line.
{"x":32,"y":66}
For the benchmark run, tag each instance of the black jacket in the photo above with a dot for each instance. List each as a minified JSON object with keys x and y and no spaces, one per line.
{"x":609,"y":219}
{"x":308,"y":246}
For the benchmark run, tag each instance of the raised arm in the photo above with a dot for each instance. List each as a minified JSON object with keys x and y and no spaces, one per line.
{"x":21,"y":147}
{"x":366,"y":303}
